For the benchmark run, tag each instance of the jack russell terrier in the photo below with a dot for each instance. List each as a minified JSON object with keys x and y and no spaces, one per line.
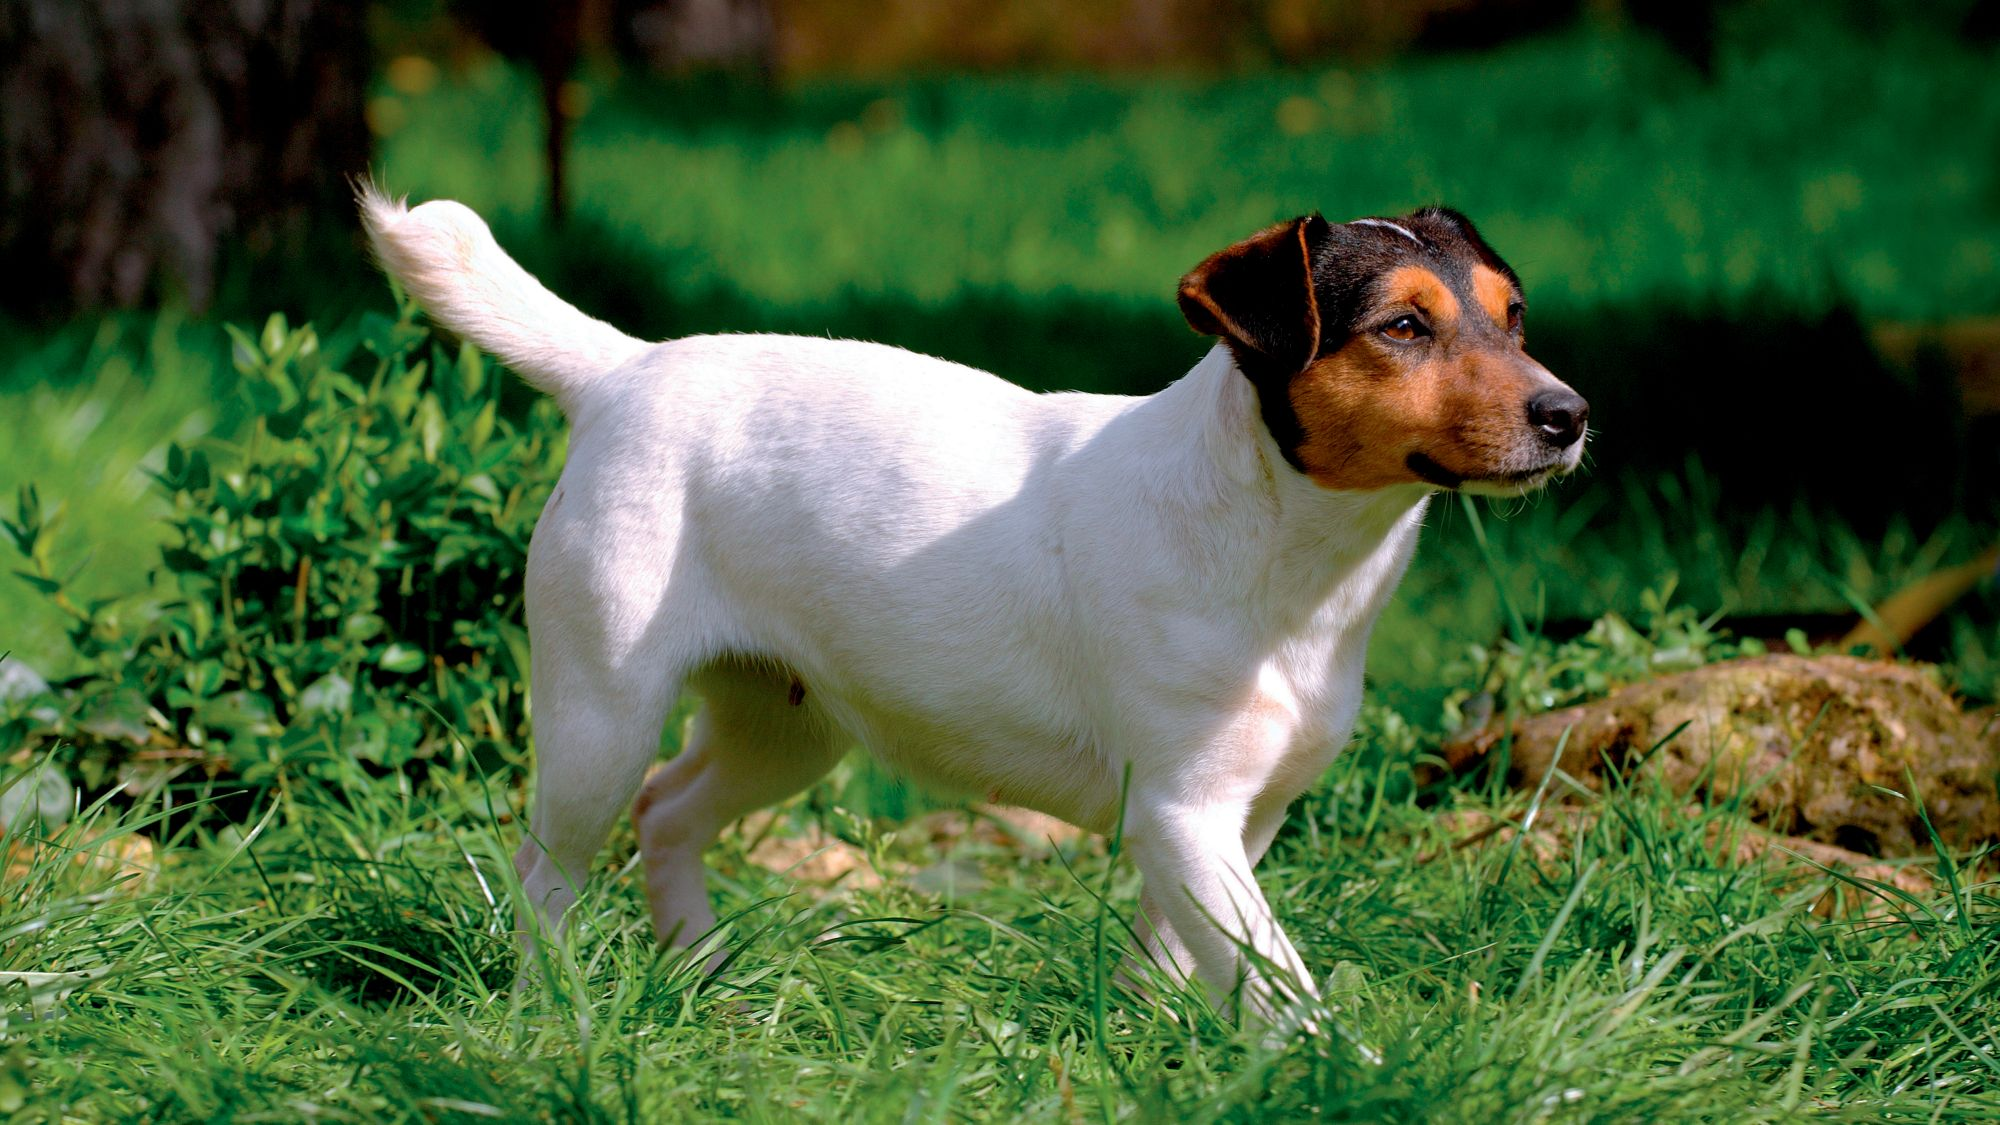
{"x":1061,"y":601}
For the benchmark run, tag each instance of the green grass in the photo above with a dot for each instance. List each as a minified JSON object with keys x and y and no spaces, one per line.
{"x":1821,"y":165}
{"x":87,"y":413}
{"x":1591,"y":546}
{"x":346,"y":958}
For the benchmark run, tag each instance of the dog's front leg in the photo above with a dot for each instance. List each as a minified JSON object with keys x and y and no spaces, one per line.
{"x":1157,"y":939}
{"x":1198,"y":879}
{"x":1158,"y":942}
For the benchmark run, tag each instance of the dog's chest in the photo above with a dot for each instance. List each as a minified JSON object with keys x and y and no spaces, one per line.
{"x":1313,"y":684}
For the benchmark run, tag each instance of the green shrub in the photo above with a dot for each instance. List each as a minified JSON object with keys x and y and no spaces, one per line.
{"x":1532,"y":673}
{"x":340,"y":586}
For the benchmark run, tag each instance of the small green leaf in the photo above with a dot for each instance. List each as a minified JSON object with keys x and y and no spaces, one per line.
{"x":203,"y":677}
{"x":198,"y":475}
{"x":362,"y":627}
{"x":273,"y":340}
{"x":121,"y":715}
{"x":400,"y":658}
{"x":243,"y":351}
{"x":331,"y":694}
{"x":183,"y":561}
{"x":471,"y":372}
{"x":430,"y":426}
{"x":45,"y":585}
{"x":240,"y":713}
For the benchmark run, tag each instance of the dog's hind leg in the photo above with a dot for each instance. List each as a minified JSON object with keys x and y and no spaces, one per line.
{"x":610,"y":654}
{"x":595,"y":734}
{"x":755,"y":741}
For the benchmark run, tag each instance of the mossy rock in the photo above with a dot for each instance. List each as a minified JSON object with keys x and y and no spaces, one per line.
{"x":1830,"y":748}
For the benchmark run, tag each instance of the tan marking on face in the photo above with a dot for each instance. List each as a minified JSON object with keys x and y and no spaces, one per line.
{"x":1493,"y":291}
{"x":1365,"y":410}
{"x":1415,"y":285}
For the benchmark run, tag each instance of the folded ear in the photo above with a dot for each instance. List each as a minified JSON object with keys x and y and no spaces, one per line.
{"x":1259,"y":293}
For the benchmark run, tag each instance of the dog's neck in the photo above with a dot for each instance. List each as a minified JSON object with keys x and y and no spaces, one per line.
{"x":1296,"y":547}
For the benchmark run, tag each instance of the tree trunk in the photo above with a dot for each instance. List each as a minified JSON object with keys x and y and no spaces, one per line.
{"x":548,"y":35}
{"x":139,"y":135}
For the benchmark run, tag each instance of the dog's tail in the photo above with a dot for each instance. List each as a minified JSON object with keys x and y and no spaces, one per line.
{"x":444,"y":256}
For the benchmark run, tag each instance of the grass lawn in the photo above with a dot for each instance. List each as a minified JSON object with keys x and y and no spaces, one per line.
{"x":332,"y":940}
{"x":1821,"y":165}
{"x":345,"y":956}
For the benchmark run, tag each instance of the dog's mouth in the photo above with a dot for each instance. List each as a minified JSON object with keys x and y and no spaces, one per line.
{"x":1510,"y":482}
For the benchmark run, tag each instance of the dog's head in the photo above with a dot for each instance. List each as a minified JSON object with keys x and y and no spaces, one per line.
{"x":1388,"y":352}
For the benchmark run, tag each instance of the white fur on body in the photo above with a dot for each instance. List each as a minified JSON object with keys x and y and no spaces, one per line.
{"x":1016,"y":595}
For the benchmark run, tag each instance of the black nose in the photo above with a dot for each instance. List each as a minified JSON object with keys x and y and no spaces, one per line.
{"x":1558,"y":416}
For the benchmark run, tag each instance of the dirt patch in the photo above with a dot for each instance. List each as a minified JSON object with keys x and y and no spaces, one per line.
{"x":998,"y":828}
{"x":127,"y":861}
{"x":962,"y":837}
{"x":808,"y":852}
{"x":1830,"y":749}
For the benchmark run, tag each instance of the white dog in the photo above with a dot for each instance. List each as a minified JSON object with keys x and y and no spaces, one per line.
{"x":1039,"y":599}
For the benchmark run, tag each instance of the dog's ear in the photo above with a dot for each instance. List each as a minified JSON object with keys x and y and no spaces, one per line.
{"x":1259,"y":293}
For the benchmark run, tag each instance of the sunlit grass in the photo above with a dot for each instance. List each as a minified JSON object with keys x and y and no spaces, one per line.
{"x":349,"y":957}
{"x":1818,"y":166}
{"x":87,"y":414}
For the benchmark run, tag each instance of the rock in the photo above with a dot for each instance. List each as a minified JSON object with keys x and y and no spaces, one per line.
{"x":949,"y":877}
{"x":37,"y":800}
{"x":18,"y":681}
{"x":125,"y":861}
{"x":1827,"y":748}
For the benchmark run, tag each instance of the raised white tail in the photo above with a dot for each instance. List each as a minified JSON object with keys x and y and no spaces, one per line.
{"x":444,"y":256}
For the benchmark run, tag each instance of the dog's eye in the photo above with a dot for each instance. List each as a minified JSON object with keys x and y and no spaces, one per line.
{"x":1405,"y":328}
{"x":1514,"y":313}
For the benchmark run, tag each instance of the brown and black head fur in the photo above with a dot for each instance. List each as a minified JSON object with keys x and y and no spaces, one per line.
{"x":1389,"y":351}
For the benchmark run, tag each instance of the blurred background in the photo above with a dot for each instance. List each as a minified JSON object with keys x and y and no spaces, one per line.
{"x":1763,"y":237}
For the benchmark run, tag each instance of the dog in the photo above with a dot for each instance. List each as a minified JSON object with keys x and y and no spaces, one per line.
{"x":1146,"y":614}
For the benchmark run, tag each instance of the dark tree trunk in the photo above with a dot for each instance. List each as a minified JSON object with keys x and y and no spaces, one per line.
{"x":555,"y":60}
{"x":139,"y":135}
{"x":549,"y":35}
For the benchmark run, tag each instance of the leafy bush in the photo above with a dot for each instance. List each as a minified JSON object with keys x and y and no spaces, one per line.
{"x":340,"y":586}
